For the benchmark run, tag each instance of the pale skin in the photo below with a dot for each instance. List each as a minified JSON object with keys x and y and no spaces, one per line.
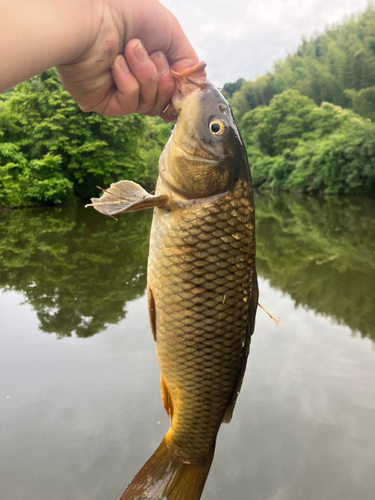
{"x":113,"y":56}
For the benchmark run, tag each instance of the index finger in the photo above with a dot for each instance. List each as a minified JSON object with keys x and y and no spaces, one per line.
{"x":159,"y":30}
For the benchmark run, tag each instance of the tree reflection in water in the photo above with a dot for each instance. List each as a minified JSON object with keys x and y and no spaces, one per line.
{"x":321,"y":251}
{"x":78,"y":269}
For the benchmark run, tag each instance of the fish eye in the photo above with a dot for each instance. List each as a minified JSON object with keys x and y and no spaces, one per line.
{"x":217,"y":127}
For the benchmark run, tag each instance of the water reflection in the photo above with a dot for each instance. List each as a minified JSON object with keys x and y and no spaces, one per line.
{"x":322,"y":253}
{"x":75,"y":268}
{"x":89,"y":408}
{"x":79,"y":269}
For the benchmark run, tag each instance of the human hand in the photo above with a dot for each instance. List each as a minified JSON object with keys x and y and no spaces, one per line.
{"x":126,"y":67}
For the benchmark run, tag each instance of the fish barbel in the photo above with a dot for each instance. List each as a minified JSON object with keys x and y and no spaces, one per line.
{"x":201,"y":283}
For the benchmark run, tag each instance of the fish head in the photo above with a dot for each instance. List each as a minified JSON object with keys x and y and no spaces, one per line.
{"x":205,"y":152}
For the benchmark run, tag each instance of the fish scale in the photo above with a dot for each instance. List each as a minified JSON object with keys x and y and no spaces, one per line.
{"x":201,"y":317}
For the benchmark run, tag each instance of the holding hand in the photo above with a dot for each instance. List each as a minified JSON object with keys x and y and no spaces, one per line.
{"x":114,"y":57}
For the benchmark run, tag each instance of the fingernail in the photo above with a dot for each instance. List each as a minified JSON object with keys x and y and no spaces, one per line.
{"x":120,"y":63}
{"x":161,"y":63}
{"x":140,"y":52}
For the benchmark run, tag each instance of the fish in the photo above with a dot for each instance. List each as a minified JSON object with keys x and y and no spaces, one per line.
{"x":201,"y":282}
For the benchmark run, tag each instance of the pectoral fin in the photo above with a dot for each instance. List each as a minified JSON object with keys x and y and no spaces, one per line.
{"x":126,"y":196}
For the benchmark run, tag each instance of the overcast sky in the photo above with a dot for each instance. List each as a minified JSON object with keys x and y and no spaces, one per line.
{"x":243,"y":38}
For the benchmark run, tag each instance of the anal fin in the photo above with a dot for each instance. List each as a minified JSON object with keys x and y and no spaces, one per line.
{"x":126,"y":196}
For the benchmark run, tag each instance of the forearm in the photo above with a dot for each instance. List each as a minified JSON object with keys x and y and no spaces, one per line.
{"x":36,"y":35}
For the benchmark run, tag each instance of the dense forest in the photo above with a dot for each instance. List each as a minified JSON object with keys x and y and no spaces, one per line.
{"x":295,"y":145}
{"x":51,"y":152}
{"x":337,"y":66}
{"x":308,"y":126}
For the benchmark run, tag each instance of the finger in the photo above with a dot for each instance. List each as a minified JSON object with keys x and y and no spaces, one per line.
{"x":144,"y":71}
{"x":161,"y":31}
{"x":124,"y":98}
{"x":165,"y":85}
{"x":180,"y":53}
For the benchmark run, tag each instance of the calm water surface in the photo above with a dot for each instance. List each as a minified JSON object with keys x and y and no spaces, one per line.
{"x":80,"y":408}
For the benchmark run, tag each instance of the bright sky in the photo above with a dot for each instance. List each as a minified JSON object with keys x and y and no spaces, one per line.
{"x":243,"y":38}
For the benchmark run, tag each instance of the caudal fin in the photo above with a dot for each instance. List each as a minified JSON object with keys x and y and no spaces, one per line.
{"x":166,"y":476}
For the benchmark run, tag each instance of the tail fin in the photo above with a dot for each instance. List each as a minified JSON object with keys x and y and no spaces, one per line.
{"x":165,"y":475}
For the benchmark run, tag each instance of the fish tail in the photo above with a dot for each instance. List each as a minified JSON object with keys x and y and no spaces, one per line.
{"x":165,"y":475}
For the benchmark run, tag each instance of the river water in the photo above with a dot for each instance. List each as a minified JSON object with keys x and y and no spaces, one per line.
{"x":80,"y":408}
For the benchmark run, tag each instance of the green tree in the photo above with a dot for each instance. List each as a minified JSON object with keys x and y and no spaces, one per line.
{"x":295,"y":145}
{"x":322,"y":68}
{"x":155,"y":136}
{"x":51,"y":151}
{"x":363,"y":101}
{"x":230,"y":88}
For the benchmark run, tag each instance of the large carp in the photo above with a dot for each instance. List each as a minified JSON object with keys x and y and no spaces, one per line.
{"x":202,"y":284}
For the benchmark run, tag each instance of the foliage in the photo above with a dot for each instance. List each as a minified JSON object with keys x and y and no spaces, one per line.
{"x":293,"y":144}
{"x":363,"y":101}
{"x":323,"y":69}
{"x":156,"y":135}
{"x":51,"y":151}
{"x":30,"y":183}
{"x":230,"y":88}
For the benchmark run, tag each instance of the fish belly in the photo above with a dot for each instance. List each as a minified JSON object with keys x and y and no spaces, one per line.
{"x":201,"y":274}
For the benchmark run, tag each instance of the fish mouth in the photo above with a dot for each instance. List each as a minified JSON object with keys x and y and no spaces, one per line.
{"x":186,"y":82}
{"x":190,"y":78}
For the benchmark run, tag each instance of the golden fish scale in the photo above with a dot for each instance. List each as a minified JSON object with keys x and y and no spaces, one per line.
{"x":201,"y":269}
